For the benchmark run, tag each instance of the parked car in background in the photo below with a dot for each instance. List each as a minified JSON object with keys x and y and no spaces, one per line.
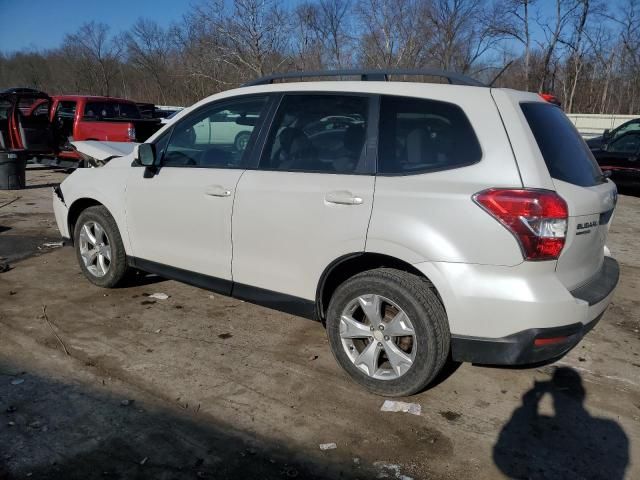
{"x":165,"y":111}
{"x":419,"y":222}
{"x":225,"y":128}
{"x":78,"y":117}
{"x":608,"y":136}
{"x":621,"y":156}
{"x":39,"y":125}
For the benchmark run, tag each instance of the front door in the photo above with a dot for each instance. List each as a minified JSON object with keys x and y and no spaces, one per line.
{"x":180,"y":215}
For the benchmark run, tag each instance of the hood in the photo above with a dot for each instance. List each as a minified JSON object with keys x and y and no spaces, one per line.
{"x":99,"y":153}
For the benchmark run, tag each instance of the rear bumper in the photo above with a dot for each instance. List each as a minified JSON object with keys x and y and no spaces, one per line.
{"x":520,"y":348}
{"x":535,"y":345}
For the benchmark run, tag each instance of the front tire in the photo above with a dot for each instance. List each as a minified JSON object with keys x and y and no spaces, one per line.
{"x":99,"y":247}
{"x":389,"y":331}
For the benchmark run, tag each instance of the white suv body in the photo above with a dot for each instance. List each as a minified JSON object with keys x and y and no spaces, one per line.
{"x":391,"y":223}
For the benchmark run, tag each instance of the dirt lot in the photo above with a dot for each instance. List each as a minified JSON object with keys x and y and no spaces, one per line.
{"x":202,"y":386}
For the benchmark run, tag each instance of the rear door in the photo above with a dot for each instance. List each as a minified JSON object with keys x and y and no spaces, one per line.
{"x":577,"y":178}
{"x":310,"y":199}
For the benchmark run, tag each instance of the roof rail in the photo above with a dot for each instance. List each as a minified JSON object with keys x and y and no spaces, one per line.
{"x":370,"y":75}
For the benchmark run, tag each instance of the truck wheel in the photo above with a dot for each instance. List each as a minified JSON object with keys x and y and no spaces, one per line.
{"x":388,"y":329}
{"x":99,"y":247}
{"x":241,"y":141}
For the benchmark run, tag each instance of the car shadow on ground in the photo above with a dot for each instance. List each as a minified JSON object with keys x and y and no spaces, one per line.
{"x":569,"y":444}
{"x":138,"y":278}
{"x":59,"y":430}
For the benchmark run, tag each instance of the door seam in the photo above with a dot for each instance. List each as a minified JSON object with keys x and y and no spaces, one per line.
{"x":233,"y":208}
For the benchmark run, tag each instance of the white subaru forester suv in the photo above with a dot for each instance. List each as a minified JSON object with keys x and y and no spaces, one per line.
{"x":420,"y":222}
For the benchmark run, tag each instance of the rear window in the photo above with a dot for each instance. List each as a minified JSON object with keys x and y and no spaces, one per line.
{"x":100,"y":110}
{"x":418,"y":136}
{"x":567,"y":156}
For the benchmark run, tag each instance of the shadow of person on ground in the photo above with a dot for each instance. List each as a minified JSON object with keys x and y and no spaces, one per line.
{"x":570,"y":444}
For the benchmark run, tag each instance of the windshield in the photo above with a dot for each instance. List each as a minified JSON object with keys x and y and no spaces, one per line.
{"x":567,"y":156}
{"x":632,"y":126}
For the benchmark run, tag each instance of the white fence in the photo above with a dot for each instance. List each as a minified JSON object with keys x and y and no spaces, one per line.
{"x":592,"y":125}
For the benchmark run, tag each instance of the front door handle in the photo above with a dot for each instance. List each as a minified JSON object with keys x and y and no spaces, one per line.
{"x":343,"y":197}
{"x":217,"y":191}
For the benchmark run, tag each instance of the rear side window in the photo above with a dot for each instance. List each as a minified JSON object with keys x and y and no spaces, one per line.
{"x":318,"y":133}
{"x":567,"y":156}
{"x":418,"y":136}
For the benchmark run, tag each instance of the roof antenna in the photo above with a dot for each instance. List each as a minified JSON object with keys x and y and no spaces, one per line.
{"x":504,"y":69}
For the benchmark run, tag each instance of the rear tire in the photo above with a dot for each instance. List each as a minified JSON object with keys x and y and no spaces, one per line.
{"x":412,"y":315}
{"x":99,"y":247}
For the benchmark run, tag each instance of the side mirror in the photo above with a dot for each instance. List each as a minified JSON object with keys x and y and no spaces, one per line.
{"x":606,"y":134}
{"x":147,"y":154}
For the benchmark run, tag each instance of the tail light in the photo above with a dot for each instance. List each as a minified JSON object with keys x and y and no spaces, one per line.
{"x":131,"y":132}
{"x":537,"y":218}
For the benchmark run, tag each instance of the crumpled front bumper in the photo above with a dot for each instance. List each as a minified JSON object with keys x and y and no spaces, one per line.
{"x":61,"y":212}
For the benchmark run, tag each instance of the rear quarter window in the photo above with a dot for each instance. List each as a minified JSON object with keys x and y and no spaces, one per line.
{"x":565,"y":153}
{"x":419,"y":136}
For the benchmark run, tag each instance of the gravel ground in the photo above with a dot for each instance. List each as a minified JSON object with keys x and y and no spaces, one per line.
{"x":203,"y":386}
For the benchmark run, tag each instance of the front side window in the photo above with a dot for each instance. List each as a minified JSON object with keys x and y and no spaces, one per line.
{"x":216,"y":136}
{"x":418,"y":136}
{"x":318,"y":133}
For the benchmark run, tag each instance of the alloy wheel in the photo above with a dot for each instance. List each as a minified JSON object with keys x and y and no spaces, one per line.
{"x":378,"y":337}
{"x":95,"y":249}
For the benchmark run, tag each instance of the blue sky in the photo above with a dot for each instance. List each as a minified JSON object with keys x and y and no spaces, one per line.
{"x":41,"y":24}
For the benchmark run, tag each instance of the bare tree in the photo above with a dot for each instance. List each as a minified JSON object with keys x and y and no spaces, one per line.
{"x":253,"y":37}
{"x":462,"y":33}
{"x":390,"y":33}
{"x":331,"y":23}
{"x":307,"y":41}
{"x":512,"y":18}
{"x":587,"y":50}
{"x":149,"y":47}
{"x":576,"y":56}
{"x":553,"y":30}
{"x":98,"y":53}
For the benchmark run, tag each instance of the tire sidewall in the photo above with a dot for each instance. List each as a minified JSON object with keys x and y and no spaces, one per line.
{"x":425,"y":361}
{"x":117,"y":253}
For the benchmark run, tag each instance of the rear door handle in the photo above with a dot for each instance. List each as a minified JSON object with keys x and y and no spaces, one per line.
{"x":217,"y":191}
{"x":343,"y":197}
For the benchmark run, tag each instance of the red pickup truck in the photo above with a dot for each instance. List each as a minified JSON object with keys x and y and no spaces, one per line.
{"x":40,"y":125}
